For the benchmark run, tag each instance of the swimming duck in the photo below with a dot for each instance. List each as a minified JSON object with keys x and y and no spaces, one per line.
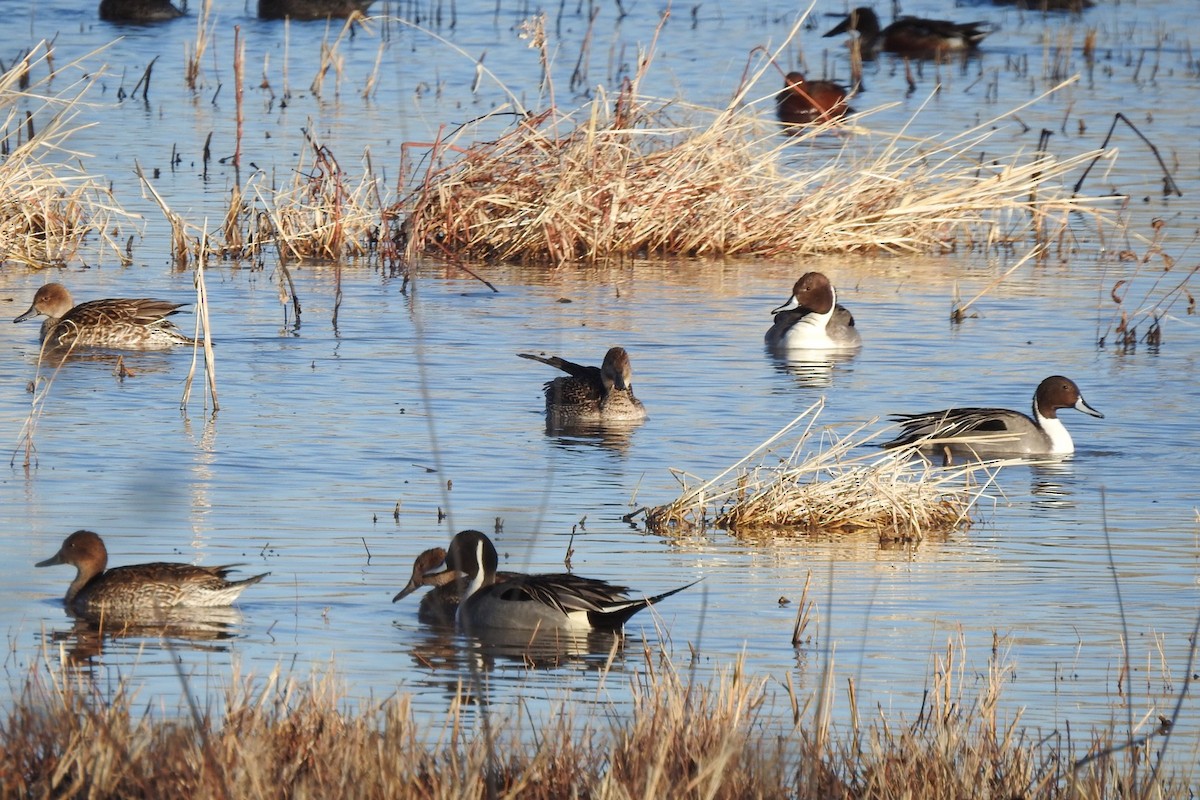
{"x":122,"y":324}
{"x":139,"y":587}
{"x":911,"y":36}
{"x":802,"y":102}
{"x":1008,"y":432}
{"x":812,"y":319}
{"x":138,"y":10}
{"x":592,"y":394}
{"x":311,"y":9}
{"x":438,"y":606}
{"x":562,"y":602}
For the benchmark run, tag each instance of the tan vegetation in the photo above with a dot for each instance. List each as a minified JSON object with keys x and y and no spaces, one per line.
{"x":278,"y":738}
{"x":321,"y":213}
{"x":621,"y":178}
{"x":49,"y":206}
{"x":820,"y":486}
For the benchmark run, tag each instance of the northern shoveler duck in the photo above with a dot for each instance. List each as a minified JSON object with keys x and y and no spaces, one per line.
{"x":592,"y":394}
{"x":911,"y":36}
{"x":139,"y":588}
{"x":561,"y":602}
{"x":121,"y":324}
{"x":439,"y":605}
{"x":311,"y":9}
{"x":138,"y":11}
{"x":802,"y":102}
{"x":1007,"y":432}
{"x":812,"y":319}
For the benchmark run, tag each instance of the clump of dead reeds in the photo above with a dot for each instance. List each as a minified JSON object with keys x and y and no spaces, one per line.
{"x":279,"y":737}
{"x":322,"y":213}
{"x":49,"y":207}
{"x":819,"y":486}
{"x":620,"y":178}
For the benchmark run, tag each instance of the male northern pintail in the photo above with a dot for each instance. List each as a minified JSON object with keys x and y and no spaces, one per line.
{"x":1007,"y":432}
{"x":562,"y":602}
{"x":440,"y":604}
{"x":802,"y":102}
{"x":311,"y":9}
{"x":138,"y":10}
{"x":592,"y":394}
{"x":140,"y":587}
{"x":139,"y":324}
{"x":913,"y":37}
{"x":813,"y":319}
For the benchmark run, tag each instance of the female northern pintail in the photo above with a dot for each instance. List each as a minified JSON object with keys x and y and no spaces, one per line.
{"x":438,"y":606}
{"x":139,"y":587}
{"x":803,"y":102}
{"x":138,"y":10}
{"x":592,"y":394}
{"x":911,"y":36}
{"x":1007,"y":432}
{"x":813,"y":319}
{"x":140,"y":324}
{"x":562,"y":602}
{"x":311,"y":9}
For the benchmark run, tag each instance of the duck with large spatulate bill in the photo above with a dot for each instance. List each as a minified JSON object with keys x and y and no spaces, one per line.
{"x":912,"y":37}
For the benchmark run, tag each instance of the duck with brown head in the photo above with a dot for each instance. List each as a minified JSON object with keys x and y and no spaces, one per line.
{"x":139,"y":588}
{"x":912,"y":37}
{"x":122,"y":324}
{"x":592,"y":394}
{"x":804,"y":102}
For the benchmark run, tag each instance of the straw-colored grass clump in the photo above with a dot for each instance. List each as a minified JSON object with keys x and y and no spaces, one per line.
{"x":821,"y":488}
{"x":50,"y":207}
{"x":323,"y":213}
{"x":727,"y":741}
{"x":600,"y":182}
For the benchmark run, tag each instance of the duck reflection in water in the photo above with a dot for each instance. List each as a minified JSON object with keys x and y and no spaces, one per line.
{"x":120,"y":639}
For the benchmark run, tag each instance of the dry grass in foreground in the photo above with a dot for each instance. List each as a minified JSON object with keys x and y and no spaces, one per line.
{"x":892,"y":495}
{"x":728,"y":741}
{"x":48,"y":206}
{"x":603,"y":182}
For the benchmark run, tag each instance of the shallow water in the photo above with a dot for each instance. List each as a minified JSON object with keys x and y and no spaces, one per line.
{"x":416,"y":397}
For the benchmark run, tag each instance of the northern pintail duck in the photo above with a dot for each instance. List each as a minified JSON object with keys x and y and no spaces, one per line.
{"x":592,"y":394}
{"x":138,"y":11}
{"x":140,"y":324}
{"x":311,"y":9}
{"x":560,"y":602}
{"x":440,"y":604}
{"x":802,"y":102}
{"x":1007,"y":432}
{"x":812,"y":318}
{"x":911,"y":36}
{"x":140,"y":587}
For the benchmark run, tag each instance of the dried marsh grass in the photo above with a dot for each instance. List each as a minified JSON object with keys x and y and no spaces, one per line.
{"x":49,"y":206}
{"x":280,"y":738}
{"x":623,"y":179}
{"x":324,"y":213}
{"x":819,"y":487}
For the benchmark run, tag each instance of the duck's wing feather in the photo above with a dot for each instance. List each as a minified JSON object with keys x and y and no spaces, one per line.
{"x":590,"y":374}
{"x":563,"y":591}
{"x":140,"y":311}
{"x":956,"y":423}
